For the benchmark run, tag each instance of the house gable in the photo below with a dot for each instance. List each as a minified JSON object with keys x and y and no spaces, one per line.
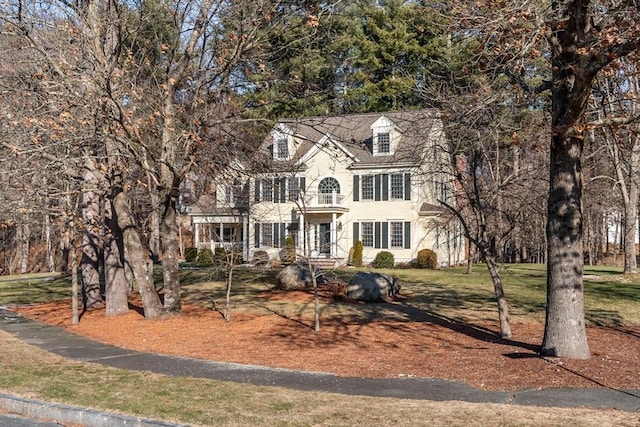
{"x":282,"y":142}
{"x":385,"y":137}
{"x":327,"y":142}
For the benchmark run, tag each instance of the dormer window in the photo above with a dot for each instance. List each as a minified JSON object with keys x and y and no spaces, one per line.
{"x":385,"y":136}
{"x":384,"y":143}
{"x":282,"y":149}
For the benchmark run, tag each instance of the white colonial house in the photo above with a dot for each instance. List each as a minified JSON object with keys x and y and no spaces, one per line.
{"x":331,"y":181}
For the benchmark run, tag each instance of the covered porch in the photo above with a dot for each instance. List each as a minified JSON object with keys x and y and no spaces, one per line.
{"x":220,"y":231}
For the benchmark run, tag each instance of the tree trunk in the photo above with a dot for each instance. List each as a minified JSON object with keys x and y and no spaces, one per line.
{"x":90,"y":241}
{"x":65,"y":247}
{"x":25,"y":235}
{"x":116,"y":285}
{"x":565,"y":334}
{"x":137,"y":260}
{"x":75,"y":315}
{"x":154,"y":220}
{"x":51,"y":264}
{"x":170,"y":256}
{"x":503,"y":307}
{"x":631,"y":217}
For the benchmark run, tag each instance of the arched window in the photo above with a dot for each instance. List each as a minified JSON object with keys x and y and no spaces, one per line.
{"x":328,"y":186}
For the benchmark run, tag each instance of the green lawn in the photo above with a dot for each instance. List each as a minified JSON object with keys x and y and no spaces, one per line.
{"x":611,"y":298}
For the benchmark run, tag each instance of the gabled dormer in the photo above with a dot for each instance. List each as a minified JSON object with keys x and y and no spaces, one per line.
{"x":282,"y":147}
{"x":385,"y":137}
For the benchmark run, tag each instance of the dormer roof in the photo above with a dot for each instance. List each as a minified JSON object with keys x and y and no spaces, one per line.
{"x":354,"y":134}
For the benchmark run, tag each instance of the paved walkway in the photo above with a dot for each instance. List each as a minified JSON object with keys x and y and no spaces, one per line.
{"x":58,"y":341}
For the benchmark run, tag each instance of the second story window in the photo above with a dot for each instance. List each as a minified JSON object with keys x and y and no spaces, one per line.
{"x":282,"y":149}
{"x":384,"y":143}
{"x":397,"y":186}
{"x":367,"y":187}
{"x":267,"y":190}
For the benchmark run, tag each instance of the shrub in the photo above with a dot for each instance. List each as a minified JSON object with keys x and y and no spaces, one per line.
{"x":288,"y":255}
{"x":427,"y":259}
{"x":190,"y":254}
{"x":383,"y":259}
{"x":205,"y":256}
{"x":357,"y":254}
{"x":260,"y":258}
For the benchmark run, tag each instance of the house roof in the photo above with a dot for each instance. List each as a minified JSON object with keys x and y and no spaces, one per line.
{"x":427,"y":209}
{"x":353,"y":134}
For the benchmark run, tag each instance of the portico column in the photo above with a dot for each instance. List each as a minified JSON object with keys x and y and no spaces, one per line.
{"x":301,"y":231}
{"x":334,"y":235}
{"x":196,"y":234}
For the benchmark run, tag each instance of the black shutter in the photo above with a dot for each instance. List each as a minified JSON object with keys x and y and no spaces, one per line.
{"x":407,"y":235}
{"x":376,"y":187}
{"x":257,"y":185}
{"x":407,"y":186}
{"x":302,"y":184}
{"x":256,"y":236}
{"x":276,"y":235}
{"x":376,"y":235}
{"x":385,"y":186}
{"x":275,"y":185}
{"x":356,"y":188}
{"x":283,"y":190}
{"x":385,"y":235}
{"x":356,"y":232}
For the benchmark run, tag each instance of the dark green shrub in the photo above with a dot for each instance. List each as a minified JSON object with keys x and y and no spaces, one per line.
{"x":190,"y":254}
{"x":288,"y":254}
{"x":427,"y":259}
{"x":260,"y":258}
{"x":205,"y":256}
{"x":384,"y":259}
{"x":357,"y":254}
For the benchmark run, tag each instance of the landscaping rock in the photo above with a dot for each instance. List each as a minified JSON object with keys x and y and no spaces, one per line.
{"x":297,"y":276}
{"x":372,"y":287}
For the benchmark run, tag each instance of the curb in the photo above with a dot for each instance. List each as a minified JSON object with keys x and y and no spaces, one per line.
{"x":62,"y":413}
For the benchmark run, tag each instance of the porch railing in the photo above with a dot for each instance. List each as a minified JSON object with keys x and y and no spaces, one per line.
{"x":323,"y":199}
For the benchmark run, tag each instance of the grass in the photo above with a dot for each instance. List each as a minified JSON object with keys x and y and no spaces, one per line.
{"x":611,"y":298}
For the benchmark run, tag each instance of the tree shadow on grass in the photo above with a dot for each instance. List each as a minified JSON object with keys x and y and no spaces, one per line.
{"x":347,"y":318}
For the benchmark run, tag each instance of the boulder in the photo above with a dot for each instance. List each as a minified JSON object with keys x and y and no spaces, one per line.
{"x":297,"y":276}
{"x":372,"y":287}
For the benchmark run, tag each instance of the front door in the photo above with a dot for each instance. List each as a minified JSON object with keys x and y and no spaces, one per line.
{"x":325,"y":238}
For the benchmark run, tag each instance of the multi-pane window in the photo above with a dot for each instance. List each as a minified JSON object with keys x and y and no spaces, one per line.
{"x":282,"y":149}
{"x":367,"y":187}
{"x":266,"y":232}
{"x":292,"y":187}
{"x":366,"y":234}
{"x":267,"y":190}
{"x":397,"y":186}
{"x":396,"y":231}
{"x":384,"y":142}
